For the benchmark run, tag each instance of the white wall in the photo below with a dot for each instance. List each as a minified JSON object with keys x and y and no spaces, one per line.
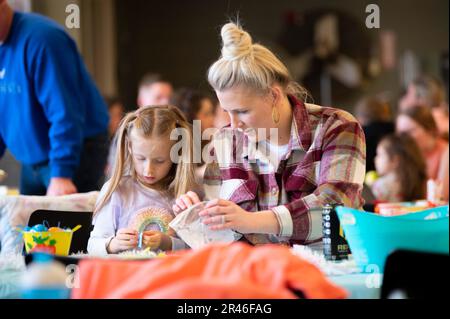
{"x":95,"y":37}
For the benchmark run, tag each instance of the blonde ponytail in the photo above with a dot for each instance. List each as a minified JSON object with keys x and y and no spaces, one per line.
{"x":244,"y":63}
{"x":236,"y":43}
{"x":184,"y":179}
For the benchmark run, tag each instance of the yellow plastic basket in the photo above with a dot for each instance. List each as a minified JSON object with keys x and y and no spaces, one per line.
{"x":56,"y":242}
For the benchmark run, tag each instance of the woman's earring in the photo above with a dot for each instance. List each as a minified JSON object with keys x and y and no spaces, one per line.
{"x":275,"y":115}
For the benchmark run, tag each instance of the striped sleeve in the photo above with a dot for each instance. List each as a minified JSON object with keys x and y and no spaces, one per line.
{"x":341,"y":176}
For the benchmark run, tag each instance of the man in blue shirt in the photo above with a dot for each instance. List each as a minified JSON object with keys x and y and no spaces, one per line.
{"x":52,"y":117}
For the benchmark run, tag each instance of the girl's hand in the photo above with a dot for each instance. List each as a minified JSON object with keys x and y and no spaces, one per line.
{"x":125,"y":239}
{"x":156,"y":240}
{"x":185,"y":201}
{"x":223,"y":214}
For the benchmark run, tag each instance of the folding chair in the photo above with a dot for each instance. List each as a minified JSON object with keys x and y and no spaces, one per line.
{"x":415,"y":275}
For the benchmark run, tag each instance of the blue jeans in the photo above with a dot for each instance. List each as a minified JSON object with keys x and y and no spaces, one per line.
{"x":34,"y":179}
{"x":89,"y":176}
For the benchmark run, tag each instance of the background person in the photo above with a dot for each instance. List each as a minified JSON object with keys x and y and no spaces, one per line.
{"x":54,"y":121}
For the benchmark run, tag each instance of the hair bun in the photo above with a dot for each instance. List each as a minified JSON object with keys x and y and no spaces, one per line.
{"x":236,"y":42}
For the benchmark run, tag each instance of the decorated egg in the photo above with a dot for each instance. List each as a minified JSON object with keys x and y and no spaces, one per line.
{"x":55,"y":229}
{"x":39,"y":228}
{"x":27,"y":228}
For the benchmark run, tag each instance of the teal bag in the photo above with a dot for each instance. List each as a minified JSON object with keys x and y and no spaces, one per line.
{"x":372,"y":237}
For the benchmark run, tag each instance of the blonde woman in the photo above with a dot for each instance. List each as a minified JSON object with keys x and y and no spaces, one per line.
{"x":317,"y":154}
{"x":144,"y":177}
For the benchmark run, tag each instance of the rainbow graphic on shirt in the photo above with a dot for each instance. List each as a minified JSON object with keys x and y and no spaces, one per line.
{"x":151,"y":218}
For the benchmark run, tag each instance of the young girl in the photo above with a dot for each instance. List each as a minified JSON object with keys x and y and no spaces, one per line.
{"x":144,"y":183}
{"x":402,"y":168}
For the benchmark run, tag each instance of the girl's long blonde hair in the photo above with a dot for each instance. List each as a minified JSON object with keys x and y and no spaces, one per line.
{"x":153,"y":121}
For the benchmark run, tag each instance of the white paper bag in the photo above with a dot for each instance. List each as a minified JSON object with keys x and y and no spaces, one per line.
{"x":189,"y":227}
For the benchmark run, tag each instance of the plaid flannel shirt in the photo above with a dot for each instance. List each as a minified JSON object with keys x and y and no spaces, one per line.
{"x":325,"y":163}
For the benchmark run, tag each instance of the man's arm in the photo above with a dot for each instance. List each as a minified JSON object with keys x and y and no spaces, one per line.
{"x":55,"y":70}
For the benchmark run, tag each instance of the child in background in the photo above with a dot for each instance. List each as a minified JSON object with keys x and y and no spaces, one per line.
{"x":375,"y":116}
{"x":402,"y":170}
{"x":144,"y":176}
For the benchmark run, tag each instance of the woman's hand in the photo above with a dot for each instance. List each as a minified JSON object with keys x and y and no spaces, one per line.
{"x":156,"y":240}
{"x":185,"y":201}
{"x":222,"y":214}
{"x":125,"y":239}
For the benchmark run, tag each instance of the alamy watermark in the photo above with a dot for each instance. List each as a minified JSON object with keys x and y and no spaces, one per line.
{"x":230,"y":145}
{"x":73,"y":17}
{"x":373,"y":19}
{"x":72,"y":279}
{"x":374,"y":279}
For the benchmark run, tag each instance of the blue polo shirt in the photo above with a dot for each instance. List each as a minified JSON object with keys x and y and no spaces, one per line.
{"x":48,"y":101}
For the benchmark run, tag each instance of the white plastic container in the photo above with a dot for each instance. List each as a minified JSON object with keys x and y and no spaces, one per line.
{"x":434,"y":191}
{"x":44,"y":278}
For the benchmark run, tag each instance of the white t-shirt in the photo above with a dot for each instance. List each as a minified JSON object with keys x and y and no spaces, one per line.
{"x":125,"y":203}
{"x":274,"y":152}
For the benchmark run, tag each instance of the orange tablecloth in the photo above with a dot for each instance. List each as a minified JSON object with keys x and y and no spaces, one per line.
{"x":216,"y":271}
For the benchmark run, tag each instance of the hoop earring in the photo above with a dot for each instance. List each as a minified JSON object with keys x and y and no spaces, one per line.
{"x":275,"y":115}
